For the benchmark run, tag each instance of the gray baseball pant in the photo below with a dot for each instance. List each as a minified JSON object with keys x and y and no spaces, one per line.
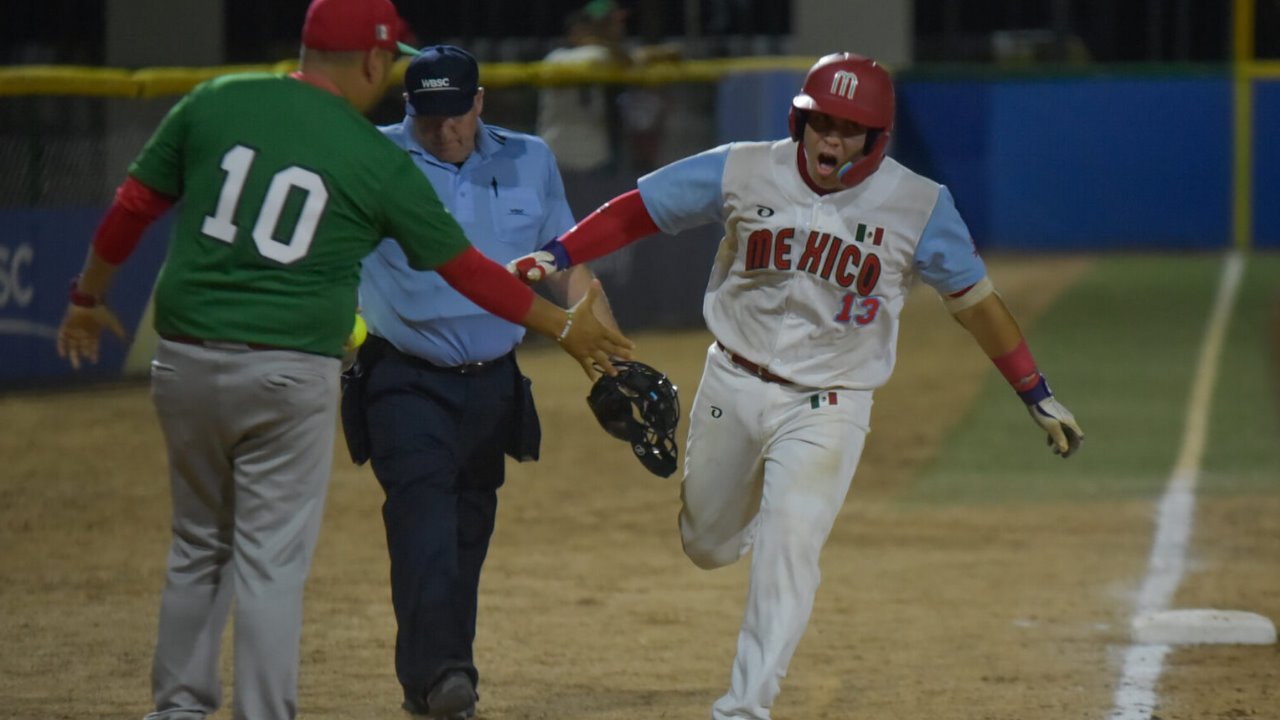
{"x":250,"y":440}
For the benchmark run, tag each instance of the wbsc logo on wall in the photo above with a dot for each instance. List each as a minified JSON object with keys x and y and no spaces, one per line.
{"x":27,"y":326}
{"x":27,"y":333}
{"x":18,"y":294}
{"x":40,"y":251}
{"x":15,"y":288}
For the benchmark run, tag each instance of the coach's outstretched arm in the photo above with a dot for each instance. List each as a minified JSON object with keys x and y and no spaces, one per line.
{"x":579,"y":329}
{"x":981,"y":311}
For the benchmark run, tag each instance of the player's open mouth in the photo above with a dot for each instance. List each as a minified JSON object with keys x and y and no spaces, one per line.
{"x":827,"y":163}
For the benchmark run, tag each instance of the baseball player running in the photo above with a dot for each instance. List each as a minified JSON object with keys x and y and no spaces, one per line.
{"x":285,"y":186}
{"x":823,"y":236}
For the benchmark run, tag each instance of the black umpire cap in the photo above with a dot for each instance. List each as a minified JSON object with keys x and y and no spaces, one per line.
{"x":441,"y":80}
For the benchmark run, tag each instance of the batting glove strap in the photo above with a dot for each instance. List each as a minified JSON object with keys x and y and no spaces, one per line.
{"x":1038,"y":392}
{"x":1064,"y":433}
{"x":557,"y":250}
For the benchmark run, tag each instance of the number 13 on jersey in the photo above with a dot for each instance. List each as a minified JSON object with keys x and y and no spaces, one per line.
{"x":857,"y":309}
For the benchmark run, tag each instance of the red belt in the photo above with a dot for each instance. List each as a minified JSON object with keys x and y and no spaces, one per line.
{"x":757,"y":370}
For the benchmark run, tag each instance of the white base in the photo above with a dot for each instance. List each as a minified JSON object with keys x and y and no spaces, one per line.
{"x":1203,"y":627}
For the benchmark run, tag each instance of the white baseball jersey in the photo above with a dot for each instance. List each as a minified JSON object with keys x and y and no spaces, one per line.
{"x":812,"y":286}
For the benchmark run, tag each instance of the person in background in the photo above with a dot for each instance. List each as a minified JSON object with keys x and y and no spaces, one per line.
{"x":576,"y":121}
{"x":596,"y":129}
{"x":441,"y":398}
{"x":284,"y":186}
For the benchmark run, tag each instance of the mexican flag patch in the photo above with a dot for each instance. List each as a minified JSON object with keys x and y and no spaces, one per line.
{"x":826,"y":398}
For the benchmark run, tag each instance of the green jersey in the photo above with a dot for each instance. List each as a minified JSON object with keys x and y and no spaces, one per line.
{"x":284,"y":188}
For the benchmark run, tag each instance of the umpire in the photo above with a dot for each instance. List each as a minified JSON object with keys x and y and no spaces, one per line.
{"x":436,"y":398}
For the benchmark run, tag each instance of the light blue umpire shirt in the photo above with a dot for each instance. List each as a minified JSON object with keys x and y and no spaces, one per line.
{"x":509,"y":199}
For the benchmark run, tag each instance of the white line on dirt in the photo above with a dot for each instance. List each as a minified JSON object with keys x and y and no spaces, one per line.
{"x":1135,"y":697}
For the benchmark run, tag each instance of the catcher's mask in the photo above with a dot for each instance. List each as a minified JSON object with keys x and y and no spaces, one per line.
{"x":640,"y":406}
{"x":852,"y":87}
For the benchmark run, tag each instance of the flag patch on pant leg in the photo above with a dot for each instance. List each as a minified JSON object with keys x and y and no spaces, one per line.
{"x":826,"y":398}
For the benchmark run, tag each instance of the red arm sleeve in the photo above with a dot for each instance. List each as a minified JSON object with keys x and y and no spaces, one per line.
{"x":616,"y":224}
{"x":488,"y":285}
{"x":1018,"y":367}
{"x":136,"y":206}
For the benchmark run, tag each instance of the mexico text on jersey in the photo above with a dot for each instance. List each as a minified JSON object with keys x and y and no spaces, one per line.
{"x":812,"y":286}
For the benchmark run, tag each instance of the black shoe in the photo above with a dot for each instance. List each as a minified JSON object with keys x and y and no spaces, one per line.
{"x":418,"y":708}
{"x":453,"y":698}
{"x":414,"y":706}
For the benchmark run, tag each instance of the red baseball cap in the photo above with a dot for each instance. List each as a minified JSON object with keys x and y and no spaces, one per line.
{"x":353,"y":25}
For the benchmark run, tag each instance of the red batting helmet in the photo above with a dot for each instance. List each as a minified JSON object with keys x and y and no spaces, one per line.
{"x":855,"y":88}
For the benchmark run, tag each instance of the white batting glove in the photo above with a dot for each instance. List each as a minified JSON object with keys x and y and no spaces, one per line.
{"x":534,"y":267}
{"x":1064,"y":432}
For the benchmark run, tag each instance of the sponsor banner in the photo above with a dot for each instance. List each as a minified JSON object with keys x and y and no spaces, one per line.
{"x":40,"y":251}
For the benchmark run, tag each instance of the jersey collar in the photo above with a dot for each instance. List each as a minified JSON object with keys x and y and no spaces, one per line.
{"x":486,"y":144}
{"x":323,"y":83}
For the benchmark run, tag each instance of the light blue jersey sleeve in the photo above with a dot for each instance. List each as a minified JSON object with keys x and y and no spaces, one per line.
{"x":687,"y":193}
{"x":946,"y":257}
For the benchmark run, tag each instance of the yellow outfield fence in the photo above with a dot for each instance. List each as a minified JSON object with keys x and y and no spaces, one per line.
{"x":159,"y":82}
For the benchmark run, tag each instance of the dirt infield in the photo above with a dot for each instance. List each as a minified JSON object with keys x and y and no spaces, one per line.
{"x":588,"y":607}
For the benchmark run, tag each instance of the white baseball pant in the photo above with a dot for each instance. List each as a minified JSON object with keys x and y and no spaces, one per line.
{"x":767,"y":468}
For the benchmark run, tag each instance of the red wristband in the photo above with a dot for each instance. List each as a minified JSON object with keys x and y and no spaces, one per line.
{"x":1018,"y":367}
{"x":81,"y":299}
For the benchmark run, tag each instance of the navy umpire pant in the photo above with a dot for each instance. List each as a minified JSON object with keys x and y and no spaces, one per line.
{"x":436,"y":443}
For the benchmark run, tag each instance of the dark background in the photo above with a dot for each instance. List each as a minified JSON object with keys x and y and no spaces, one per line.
{"x":71,"y":31}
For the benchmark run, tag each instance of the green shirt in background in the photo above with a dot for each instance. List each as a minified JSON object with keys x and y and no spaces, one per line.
{"x":283,"y":189}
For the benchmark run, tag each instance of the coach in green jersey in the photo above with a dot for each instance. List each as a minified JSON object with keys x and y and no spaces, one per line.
{"x":285,"y":186}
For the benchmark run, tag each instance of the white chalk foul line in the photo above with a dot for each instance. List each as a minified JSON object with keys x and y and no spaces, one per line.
{"x":1135,"y":697}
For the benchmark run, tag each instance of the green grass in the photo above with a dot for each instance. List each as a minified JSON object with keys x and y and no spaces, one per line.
{"x":1120,"y":349}
{"x":1243,"y":452}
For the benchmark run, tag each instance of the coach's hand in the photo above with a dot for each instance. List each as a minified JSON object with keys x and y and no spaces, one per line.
{"x":590,"y":341}
{"x":81,"y":329}
{"x":1064,"y":432}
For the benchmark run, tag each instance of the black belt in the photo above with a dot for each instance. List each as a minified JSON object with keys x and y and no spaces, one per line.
{"x":758,"y":370}
{"x":474,"y":368}
{"x":224,"y":344}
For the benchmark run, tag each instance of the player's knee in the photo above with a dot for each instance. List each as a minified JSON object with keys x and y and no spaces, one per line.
{"x":709,"y":558}
{"x":706,"y":553}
